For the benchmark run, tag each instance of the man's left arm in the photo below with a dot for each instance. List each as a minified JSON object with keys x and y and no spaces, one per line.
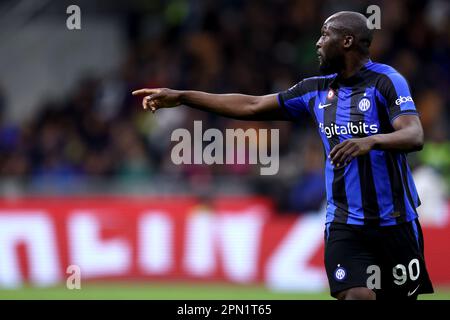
{"x":407,"y":137}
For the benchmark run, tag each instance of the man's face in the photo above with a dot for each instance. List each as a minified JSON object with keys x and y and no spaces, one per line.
{"x":329,"y":49}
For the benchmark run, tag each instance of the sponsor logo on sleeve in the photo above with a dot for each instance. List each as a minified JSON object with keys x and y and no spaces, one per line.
{"x":402,"y":99}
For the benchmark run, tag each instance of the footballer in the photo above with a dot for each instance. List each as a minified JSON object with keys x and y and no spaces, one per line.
{"x":368,"y":122}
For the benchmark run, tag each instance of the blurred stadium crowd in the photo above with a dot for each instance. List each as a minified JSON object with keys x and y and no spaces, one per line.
{"x":252,"y":47}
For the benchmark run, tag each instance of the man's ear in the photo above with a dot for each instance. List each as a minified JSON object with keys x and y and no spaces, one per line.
{"x":348,"y":41}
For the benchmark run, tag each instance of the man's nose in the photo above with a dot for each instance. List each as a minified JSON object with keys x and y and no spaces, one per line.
{"x":318,"y":44}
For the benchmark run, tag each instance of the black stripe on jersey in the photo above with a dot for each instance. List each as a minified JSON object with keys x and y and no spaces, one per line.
{"x":393,"y":110}
{"x":311,"y":104}
{"x":394,"y":178}
{"x":368,"y":192}
{"x":338,"y":185}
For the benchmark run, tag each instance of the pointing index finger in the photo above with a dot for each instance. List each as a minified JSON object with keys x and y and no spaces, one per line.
{"x":145,"y":91}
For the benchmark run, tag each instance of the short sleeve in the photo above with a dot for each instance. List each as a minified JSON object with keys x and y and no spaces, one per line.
{"x":398,"y":100}
{"x":293,"y":101}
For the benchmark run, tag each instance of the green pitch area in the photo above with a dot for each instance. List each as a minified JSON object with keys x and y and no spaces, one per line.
{"x":144,"y":291}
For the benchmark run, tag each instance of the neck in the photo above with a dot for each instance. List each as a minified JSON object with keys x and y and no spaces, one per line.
{"x":352,"y":65}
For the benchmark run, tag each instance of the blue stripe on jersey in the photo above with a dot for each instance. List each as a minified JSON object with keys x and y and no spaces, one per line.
{"x":327,"y":230}
{"x":383,"y":187}
{"x":329,"y":177}
{"x":351,"y":176}
{"x":416,"y":232}
{"x":291,"y":105}
{"x":354,"y":195}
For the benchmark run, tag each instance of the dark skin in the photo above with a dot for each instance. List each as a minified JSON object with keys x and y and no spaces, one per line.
{"x":338,"y":53}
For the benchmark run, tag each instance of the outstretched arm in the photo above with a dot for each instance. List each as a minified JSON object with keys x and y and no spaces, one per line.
{"x":238,"y":106}
{"x":408,"y":136}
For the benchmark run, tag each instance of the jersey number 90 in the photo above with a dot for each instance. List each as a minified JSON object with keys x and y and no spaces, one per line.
{"x":401,"y":274}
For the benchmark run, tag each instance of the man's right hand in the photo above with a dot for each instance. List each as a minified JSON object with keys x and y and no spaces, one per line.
{"x":158,"y":98}
{"x":232,"y":105}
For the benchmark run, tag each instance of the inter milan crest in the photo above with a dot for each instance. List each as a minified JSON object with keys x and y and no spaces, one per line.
{"x":340,"y":274}
{"x":364,"y":104}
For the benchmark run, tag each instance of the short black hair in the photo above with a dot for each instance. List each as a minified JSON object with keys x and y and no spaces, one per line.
{"x":353,"y":24}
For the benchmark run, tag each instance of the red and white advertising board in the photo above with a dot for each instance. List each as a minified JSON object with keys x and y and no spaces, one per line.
{"x":235,"y":240}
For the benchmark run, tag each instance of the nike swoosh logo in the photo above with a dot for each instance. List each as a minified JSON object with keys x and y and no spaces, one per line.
{"x":321,"y":106}
{"x":411,"y":293}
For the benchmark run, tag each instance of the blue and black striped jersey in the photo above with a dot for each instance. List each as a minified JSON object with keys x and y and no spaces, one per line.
{"x":376,"y":188}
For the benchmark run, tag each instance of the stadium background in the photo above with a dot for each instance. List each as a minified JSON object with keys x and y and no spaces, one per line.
{"x":86,"y":175}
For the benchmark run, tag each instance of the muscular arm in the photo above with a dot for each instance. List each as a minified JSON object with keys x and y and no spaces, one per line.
{"x":238,"y":106}
{"x":408,"y":136}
